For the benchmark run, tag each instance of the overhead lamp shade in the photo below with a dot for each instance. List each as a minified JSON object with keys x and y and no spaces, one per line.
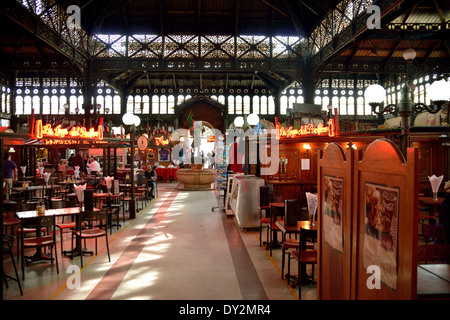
{"x":439,"y":91}
{"x":409,"y":54}
{"x":252,"y":119}
{"x":375,"y":93}
{"x":128,"y":119}
{"x":239,"y":122}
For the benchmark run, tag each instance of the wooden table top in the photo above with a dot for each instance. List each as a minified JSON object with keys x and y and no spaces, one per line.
{"x":49,"y":212}
{"x":430,"y":200}
{"x":300,"y":225}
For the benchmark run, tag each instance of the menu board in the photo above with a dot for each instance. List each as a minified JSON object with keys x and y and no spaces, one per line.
{"x":381,"y":232}
{"x":333,"y":204}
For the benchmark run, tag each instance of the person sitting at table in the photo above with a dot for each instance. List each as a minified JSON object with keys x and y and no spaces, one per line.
{"x":151,"y":176}
{"x":94,"y":165}
{"x":444,"y":212}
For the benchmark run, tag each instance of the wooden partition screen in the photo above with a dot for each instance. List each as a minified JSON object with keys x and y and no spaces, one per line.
{"x":386,"y":224}
{"x":335,"y":215}
{"x":367,"y":209}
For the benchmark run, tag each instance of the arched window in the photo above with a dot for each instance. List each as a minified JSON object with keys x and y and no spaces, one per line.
{"x":351,"y":105}
{"x":264,"y":105}
{"x":171,"y":104}
{"x":284,"y":104}
{"x":256,"y":104}
{"x":117,"y":104}
{"x":335,"y":103}
{"x":317,"y":100}
{"x":292,"y":100}
{"x":247,"y":105}
{"x":146,"y":104}
{"x":137,"y":105}
{"x":271,"y":107}
{"x":300,"y":99}
{"x":238,"y":106}
{"x":163,"y":104}
{"x":180,"y":99}
{"x":108,"y":104}
{"x":222,"y":99}
{"x":230,"y":104}
{"x":325,"y":103}
{"x":155,"y":105}
{"x":37,"y":104}
{"x":54,"y":105}
{"x":343,"y":105}
{"x":19,"y":105}
{"x":360,"y":105}
{"x":80,"y":105}
{"x":130,"y":104}
{"x":101,"y":102}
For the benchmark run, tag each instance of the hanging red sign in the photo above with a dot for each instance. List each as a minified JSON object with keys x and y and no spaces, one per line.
{"x":309,"y":129}
{"x":44,"y":131}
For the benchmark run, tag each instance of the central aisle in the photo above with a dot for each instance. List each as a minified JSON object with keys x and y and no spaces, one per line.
{"x":179,"y":249}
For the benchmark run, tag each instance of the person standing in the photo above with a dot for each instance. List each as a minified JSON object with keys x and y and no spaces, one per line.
{"x":151,"y":176}
{"x":9,"y":173}
{"x":78,"y":160}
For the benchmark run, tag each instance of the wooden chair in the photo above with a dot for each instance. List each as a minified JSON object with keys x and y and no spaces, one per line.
{"x":24,"y":232}
{"x":431,"y":231}
{"x":40,"y":241}
{"x":264,"y":205}
{"x":303,"y":256}
{"x":434,"y":253}
{"x":7,"y":243}
{"x":96,"y":220}
{"x":65,"y":225}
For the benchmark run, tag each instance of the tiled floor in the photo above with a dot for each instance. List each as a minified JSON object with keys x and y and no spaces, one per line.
{"x":177,"y":248}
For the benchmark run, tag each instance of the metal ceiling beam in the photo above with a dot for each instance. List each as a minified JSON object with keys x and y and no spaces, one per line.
{"x":32,"y":23}
{"x":390,"y":10}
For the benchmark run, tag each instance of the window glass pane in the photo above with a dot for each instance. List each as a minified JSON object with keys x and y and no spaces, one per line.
{"x":343,"y":105}
{"x":146,"y":102}
{"x":271,"y":105}
{"x":246,"y":105}
{"x":163,"y":104}
{"x":222,"y":99}
{"x":264,"y":105}
{"x":171,"y":104}
{"x":108,"y":104}
{"x":335,"y":102}
{"x":117,"y":104}
{"x":284,"y":104}
{"x":238,"y":105}
{"x":79,"y":105}
{"x":318,"y":100}
{"x":180,"y":99}
{"x":101,"y":102}
{"x":325,"y":103}
{"x":54,"y":108}
{"x":137,"y":105}
{"x":19,"y":105}
{"x":360,"y":106}
{"x":230,"y":105}
{"x":155,"y":104}
{"x":130,"y":104}
{"x":351,"y":105}
{"x":256,"y":104}
{"x":37,"y":104}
